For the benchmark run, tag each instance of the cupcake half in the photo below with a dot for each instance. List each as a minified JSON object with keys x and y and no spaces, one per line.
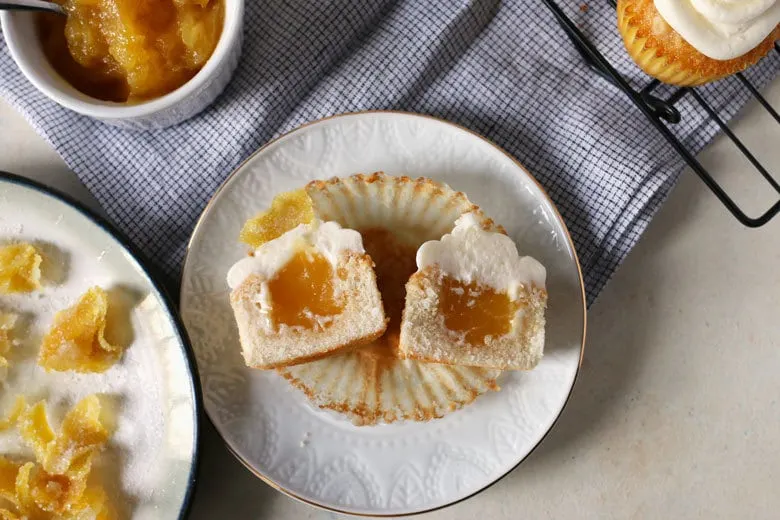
{"x":692,"y":42}
{"x":475,"y":302}
{"x":304,"y":295}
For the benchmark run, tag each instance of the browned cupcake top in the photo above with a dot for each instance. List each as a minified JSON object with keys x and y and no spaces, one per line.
{"x":641,"y":23}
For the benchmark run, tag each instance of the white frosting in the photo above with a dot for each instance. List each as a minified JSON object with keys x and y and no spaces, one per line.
{"x":721,"y":29}
{"x":471,"y":254}
{"x":328,"y":238}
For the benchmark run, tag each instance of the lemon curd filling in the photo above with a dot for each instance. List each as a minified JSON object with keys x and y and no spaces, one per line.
{"x":302,"y":293}
{"x":477,"y":312}
{"x":131,"y":50}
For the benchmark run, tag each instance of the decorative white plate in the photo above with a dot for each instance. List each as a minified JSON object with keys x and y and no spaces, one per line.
{"x":318,"y":456}
{"x":148,"y":468}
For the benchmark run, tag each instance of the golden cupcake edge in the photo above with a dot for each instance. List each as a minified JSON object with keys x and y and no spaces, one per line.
{"x":663,"y":54}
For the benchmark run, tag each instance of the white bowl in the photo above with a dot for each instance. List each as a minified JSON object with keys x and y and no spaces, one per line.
{"x":173,"y":108}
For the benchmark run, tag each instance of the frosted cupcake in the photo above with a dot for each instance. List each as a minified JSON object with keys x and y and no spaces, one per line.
{"x":692,"y":42}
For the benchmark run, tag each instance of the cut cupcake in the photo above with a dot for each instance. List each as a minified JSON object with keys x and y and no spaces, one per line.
{"x":692,"y":42}
{"x":474,"y":301}
{"x":395,"y":216}
{"x":304,"y":295}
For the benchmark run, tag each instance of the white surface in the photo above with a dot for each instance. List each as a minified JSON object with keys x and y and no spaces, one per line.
{"x":147,"y":469}
{"x":404,"y":467}
{"x":675,"y":413}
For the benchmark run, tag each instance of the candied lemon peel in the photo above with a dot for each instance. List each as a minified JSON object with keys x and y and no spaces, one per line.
{"x":77,"y":340}
{"x":56,"y":485}
{"x":20,"y":268}
{"x":7,"y":322}
{"x":13,"y":416}
{"x":81,"y":434}
{"x":287,"y":211}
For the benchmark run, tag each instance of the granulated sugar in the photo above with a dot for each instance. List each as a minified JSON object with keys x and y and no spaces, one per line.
{"x":136,"y":465}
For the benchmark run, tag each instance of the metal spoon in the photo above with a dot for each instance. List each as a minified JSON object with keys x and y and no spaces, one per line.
{"x":31,"y":5}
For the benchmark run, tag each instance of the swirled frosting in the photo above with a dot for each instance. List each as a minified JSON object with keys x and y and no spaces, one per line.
{"x":721,"y":29}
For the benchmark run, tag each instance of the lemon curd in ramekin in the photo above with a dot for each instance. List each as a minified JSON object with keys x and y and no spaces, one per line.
{"x":131,"y":50}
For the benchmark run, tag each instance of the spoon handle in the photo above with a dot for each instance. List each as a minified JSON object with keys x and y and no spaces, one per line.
{"x":31,"y":5}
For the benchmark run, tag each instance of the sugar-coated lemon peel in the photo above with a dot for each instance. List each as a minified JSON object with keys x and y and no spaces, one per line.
{"x":77,"y":339}
{"x":7,"y":322}
{"x":20,"y":268}
{"x":287,"y":211}
{"x":56,"y":485}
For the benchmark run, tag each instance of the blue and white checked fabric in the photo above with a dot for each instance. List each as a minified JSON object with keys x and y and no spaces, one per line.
{"x":502,"y":68}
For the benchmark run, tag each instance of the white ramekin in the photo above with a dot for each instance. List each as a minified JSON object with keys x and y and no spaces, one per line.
{"x":186,"y":101}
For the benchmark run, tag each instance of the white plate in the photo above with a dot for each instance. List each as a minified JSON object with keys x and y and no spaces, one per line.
{"x":396,"y":469}
{"x":149,"y":466}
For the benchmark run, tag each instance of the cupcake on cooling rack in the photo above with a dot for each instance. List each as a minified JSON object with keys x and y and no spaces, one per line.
{"x":692,"y":42}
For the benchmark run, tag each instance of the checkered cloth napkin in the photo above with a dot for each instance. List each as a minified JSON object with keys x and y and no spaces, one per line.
{"x":502,"y":68}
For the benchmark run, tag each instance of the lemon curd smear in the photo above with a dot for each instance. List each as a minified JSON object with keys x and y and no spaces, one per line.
{"x":475,"y":311}
{"x":394,"y":263}
{"x":302,"y":293}
{"x":131,"y":50}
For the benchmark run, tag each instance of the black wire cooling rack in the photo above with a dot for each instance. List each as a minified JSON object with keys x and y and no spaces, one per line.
{"x":662,"y":112}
